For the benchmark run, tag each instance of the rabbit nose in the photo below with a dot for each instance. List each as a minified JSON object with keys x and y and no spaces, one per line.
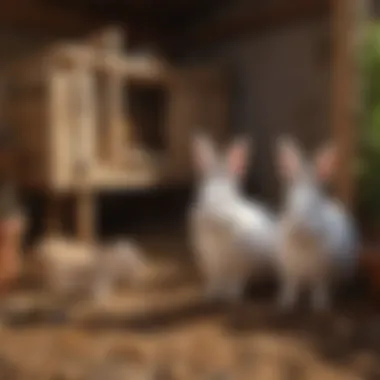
{"x":309,"y":226}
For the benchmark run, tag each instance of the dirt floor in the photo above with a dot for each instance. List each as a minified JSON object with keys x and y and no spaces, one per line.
{"x":165,"y":331}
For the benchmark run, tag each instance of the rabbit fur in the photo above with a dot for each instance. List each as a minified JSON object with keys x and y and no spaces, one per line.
{"x":75,"y":267}
{"x":318,"y":240}
{"x":232,"y":237}
{"x":121,"y":261}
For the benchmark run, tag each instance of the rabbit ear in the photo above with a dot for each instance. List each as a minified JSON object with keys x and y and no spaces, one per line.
{"x":203,"y":152}
{"x":237,"y":157}
{"x":289,"y":158}
{"x":325,"y":162}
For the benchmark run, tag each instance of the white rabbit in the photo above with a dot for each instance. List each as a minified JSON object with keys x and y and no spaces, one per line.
{"x":74,"y":267}
{"x":232,"y":237}
{"x":317,"y":238}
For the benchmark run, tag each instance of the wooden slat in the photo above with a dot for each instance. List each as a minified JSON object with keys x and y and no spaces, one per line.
{"x":344,"y":23}
{"x":36,"y":16}
{"x":84,"y":127}
{"x":136,"y":68}
{"x":114,"y":102}
{"x":30,"y":15}
{"x":59,"y":145}
{"x":85,"y":153}
{"x":197,"y":99}
{"x":110,"y":42}
{"x":250,"y":17}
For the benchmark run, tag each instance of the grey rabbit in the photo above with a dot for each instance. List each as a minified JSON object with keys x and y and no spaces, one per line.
{"x":318,"y":241}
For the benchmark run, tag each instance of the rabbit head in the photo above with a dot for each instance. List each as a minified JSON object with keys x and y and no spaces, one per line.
{"x":305,"y":181}
{"x":220,"y":175}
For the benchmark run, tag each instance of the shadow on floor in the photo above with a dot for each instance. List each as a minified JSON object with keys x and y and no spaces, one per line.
{"x":350,"y":327}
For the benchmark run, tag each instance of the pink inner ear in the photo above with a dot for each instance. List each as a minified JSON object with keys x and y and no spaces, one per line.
{"x":202,"y":154}
{"x":237,"y":158}
{"x":289,"y":161}
{"x":325,"y":163}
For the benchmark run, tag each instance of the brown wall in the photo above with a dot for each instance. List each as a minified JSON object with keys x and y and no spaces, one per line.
{"x":15,"y":43}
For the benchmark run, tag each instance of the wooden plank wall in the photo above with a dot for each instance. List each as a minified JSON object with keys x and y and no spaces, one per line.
{"x":279,"y":82}
{"x":347,"y":18}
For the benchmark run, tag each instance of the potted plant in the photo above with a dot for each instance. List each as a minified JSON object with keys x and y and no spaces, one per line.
{"x":368,"y":173}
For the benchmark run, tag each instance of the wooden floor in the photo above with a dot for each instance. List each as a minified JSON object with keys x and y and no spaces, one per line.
{"x":165,"y":331}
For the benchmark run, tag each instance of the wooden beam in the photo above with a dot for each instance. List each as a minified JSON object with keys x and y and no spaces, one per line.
{"x":344,"y":101}
{"x":32,"y":16}
{"x":142,"y":27}
{"x":252,"y":16}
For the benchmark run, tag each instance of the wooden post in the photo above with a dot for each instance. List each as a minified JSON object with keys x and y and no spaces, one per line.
{"x":344,"y":101}
{"x":59,"y":139}
{"x":114,"y":41}
{"x":53,"y":225}
{"x":85,"y":154}
{"x":109,"y":44}
{"x":84,"y":130}
{"x":85,"y":215}
{"x":57,"y":144}
{"x":114,"y":104}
